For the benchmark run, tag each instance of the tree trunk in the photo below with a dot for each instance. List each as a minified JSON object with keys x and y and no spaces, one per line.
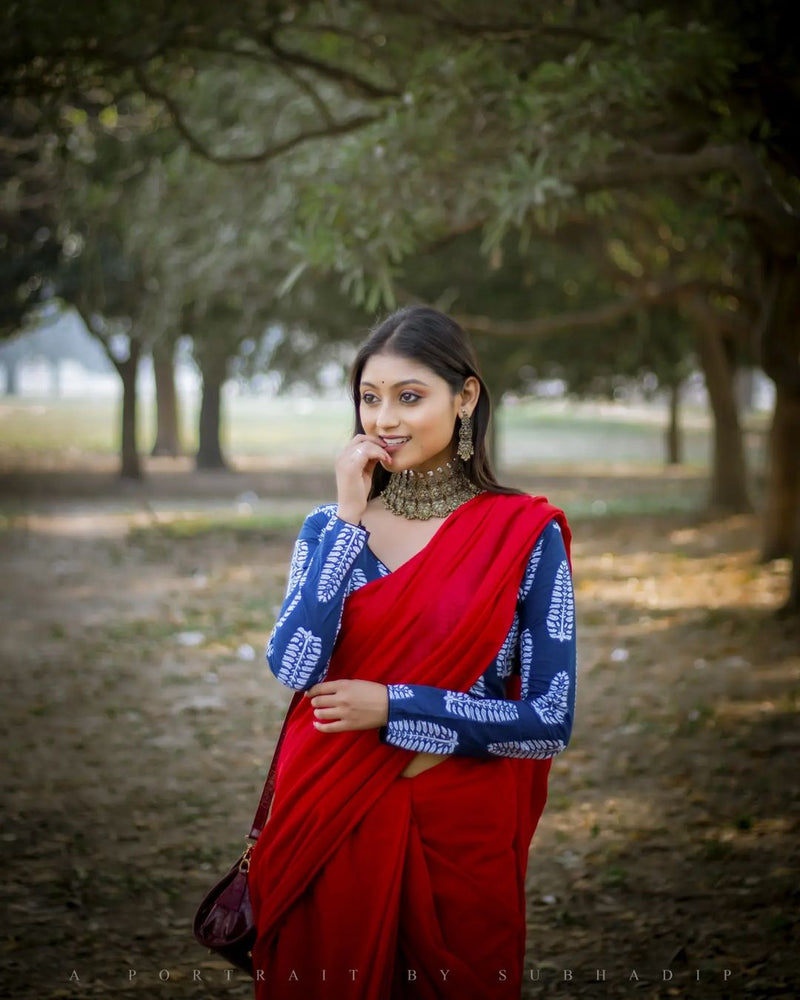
{"x":729,"y":472}
{"x":55,"y":378}
{"x":783,"y":477}
{"x":209,"y":452}
{"x":167,"y":414}
{"x":673,"y":436}
{"x":779,"y":328}
{"x":746,"y":389}
{"x":12,"y":375}
{"x":130,"y":463}
{"x":792,"y":606}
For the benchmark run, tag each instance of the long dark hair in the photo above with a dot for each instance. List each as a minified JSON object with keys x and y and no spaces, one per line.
{"x":435,"y":340}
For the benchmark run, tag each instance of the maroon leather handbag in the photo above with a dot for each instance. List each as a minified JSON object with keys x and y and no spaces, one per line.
{"x":224,"y":919}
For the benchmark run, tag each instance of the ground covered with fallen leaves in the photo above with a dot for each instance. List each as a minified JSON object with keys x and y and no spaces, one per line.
{"x":138,"y":717}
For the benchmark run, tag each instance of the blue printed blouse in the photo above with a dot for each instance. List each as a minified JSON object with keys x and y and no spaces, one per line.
{"x":331,"y":559}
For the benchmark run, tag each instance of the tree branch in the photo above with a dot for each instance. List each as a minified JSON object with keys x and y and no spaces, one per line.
{"x":696,"y":305}
{"x":308,"y":89}
{"x":760,"y":202}
{"x":338,"y":74}
{"x":270,"y":152}
{"x":647,"y":294}
{"x":511,"y":30}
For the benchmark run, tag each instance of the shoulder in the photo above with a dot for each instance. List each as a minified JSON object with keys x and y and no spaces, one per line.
{"x":516,"y":501}
{"x":545,"y":561}
{"x":551,"y":539}
{"x":548,"y":543}
{"x":524,"y":505}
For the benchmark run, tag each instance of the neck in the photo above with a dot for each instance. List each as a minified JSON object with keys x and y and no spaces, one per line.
{"x":420,"y":494}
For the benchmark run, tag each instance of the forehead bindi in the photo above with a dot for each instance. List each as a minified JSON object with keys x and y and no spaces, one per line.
{"x":382,"y":383}
{"x":389,"y":371}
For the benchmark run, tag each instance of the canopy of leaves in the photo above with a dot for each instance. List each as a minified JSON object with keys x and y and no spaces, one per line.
{"x":409,"y":122}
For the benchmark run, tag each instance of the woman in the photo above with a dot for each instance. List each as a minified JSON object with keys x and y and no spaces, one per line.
{"x":429,"y":620}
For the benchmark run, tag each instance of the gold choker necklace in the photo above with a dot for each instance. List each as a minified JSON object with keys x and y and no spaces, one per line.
{"x":422,"y":495}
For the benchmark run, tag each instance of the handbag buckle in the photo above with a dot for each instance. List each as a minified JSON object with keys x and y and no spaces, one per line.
{"x":244,"y":861}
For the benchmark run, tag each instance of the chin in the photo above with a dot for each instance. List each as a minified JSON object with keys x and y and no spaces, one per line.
{"x":398,"y":464}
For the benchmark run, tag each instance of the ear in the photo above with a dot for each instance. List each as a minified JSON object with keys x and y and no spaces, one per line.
{"x":468,"y":397}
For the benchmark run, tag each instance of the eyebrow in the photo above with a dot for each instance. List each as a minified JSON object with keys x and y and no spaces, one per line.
{"x":408,"y":381}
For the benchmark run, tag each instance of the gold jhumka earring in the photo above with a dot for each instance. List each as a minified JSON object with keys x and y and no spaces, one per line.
{"x":465,"y":449}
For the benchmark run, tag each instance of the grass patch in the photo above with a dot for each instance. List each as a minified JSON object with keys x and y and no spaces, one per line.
{"x":614,"y":877}
{"x":255,"y":526}
{"x":631,"y":506}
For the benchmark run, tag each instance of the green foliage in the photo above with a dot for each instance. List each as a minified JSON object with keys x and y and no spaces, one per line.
{"x":400,"y":126}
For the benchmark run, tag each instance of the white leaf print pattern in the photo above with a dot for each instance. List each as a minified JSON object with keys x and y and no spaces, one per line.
{"x":478,"y":689}
{"x":357,"y":579}
{"x":526,"y":661}
{"x":289,"y":609}
{"x":504,"y":664}
{"x":422,"y":737}
{"x":383,"y":570}
{"x":299,"y":559}
{"x":300,"y":658}
{"x":527,"y":749}
{"x":400,"y":691}
{"x":552,"y":707}
{"x":530,"y":570}
{"x":561,"y":616}
{"x":339,"y":560}
{"x":494,"y":710}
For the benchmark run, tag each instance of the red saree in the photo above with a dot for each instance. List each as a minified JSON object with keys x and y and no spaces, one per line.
{"x":367,"y":885}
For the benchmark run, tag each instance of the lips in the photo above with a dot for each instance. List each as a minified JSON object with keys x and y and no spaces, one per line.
{"x":392,"y":444}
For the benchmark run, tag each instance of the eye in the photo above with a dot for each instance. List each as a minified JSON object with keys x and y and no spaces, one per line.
{"x":368,"y":397}
{"x":409,"y":397}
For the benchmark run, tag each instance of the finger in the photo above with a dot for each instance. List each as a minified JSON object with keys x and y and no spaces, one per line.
{"x":370,"y":451}
{"x":368,"y":441}
{"x":324,"y":687}
{"x":381,"y":452}
{"x":327,"y":714}
{"x":331,"y":727}
{"x":325,"y":701}
{"x":368,"y":448}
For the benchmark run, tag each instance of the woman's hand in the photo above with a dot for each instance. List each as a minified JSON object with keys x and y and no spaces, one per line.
{"x":342,"y":706}
{"x":354,"y":468}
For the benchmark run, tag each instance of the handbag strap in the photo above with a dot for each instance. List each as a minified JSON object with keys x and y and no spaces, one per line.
{"x":265,"y":802}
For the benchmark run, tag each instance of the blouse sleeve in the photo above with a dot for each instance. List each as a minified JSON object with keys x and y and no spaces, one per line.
{"x":540,"y":646}
{"x":320,"y":577}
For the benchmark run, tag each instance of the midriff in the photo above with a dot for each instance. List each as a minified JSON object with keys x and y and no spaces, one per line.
{"x":422,"y":762}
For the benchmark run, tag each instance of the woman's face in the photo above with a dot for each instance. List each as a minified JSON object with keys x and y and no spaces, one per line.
{"x":411,"y":410}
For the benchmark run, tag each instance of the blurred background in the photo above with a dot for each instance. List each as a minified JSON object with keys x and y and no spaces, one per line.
{"x":204,"y":210}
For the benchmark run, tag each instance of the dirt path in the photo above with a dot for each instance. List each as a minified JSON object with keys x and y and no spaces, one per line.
{"x":138,"y":716}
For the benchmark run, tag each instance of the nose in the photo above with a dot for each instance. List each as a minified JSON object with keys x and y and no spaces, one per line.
{"x":386,"y":417}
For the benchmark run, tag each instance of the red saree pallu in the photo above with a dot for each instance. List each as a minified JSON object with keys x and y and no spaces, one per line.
{"x":368,"y":885}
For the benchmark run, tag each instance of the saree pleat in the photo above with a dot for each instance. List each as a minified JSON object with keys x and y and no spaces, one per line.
{"x":444,"y":921}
